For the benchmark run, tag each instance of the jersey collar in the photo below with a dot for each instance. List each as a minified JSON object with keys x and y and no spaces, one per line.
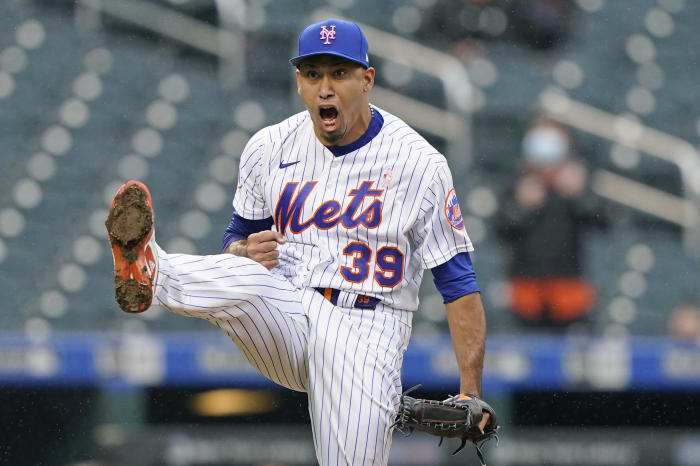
{"x":375,"y":125}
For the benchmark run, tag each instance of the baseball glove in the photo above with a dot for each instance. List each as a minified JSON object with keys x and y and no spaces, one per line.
{"x":456,"y":417}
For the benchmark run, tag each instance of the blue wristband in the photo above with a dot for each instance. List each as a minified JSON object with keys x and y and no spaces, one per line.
{"x":241,"y":228}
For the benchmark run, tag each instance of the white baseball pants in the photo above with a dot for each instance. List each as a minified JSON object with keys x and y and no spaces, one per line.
{"x":348,"y":360}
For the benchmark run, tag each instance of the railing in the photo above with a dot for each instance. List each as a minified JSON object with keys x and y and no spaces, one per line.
{"x":683,"y":211}
{"x":227,"y":44}
{"x":452,"y":124}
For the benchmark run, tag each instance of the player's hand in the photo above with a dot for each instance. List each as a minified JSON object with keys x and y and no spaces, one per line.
{"x":262,"y":247}
{"x":484,"y":421}
{"x":530,"y":192}
{"x":570,"y":179}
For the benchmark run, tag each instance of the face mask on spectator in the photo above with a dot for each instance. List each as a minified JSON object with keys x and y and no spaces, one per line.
{"x":545,"y":146}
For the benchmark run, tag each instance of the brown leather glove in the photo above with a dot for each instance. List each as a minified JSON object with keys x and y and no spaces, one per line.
{"x":456,"y":417}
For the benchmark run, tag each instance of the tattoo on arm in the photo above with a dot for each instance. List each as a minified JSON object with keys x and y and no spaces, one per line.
{"x":238,"y":248}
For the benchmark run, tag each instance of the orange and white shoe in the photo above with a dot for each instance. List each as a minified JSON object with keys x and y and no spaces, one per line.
{"x":131,"y":229}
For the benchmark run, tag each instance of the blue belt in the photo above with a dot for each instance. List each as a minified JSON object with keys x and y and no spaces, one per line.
{"x":361,"y":302}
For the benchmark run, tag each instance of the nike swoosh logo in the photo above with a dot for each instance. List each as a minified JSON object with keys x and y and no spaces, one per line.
{"x":285,"y":165}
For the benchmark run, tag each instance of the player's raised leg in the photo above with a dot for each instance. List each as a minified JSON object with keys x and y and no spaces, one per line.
{"x":261,"y":312}
{"x":355,"y":359}
{"x":258,"y":310}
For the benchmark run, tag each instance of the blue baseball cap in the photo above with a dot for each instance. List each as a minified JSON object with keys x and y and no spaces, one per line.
{"x":333,"y":37}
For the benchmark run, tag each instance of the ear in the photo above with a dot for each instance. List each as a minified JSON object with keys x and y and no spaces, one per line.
{"x":368,"y":79}
{"x":298,"y":81}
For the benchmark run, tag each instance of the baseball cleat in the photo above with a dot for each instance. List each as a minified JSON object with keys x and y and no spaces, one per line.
{"x":131,"y":229}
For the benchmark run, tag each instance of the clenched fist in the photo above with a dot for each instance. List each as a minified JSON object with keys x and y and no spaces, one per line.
{"x":261,"y":247}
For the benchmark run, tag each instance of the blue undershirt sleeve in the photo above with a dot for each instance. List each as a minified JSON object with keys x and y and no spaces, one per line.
{"x":241,"y":228}
{"x":455,"y":278}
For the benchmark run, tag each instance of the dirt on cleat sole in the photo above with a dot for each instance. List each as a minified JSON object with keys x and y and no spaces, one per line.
{"x":131,"y":295}
{"x":129,"y":221}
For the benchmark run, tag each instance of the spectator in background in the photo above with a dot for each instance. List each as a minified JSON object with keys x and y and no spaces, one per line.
{"x":541,"y":221}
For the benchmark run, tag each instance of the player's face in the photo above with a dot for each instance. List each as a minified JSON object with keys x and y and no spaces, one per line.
{"x":336,"y":93}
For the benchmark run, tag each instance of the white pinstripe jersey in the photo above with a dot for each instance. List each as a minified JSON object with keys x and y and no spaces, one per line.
{"x":367,"y":222}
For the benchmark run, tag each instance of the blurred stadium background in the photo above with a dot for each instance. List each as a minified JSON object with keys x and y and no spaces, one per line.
{"x":94,"y":92}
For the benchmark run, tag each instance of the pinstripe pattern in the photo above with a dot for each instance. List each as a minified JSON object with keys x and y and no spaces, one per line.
{"x":354,"y":379}
{"x":348,"y":360}
{"x":313,"y":257}
{"x":261,"y":312}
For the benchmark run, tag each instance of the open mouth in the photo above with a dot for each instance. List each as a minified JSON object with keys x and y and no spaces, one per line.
{"x":328,"y":116}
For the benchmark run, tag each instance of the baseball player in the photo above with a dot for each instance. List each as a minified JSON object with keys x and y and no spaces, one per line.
{"x":338,"y":211}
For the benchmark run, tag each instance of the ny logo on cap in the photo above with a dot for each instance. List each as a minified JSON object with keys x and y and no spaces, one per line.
{"x":327,"y":35}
